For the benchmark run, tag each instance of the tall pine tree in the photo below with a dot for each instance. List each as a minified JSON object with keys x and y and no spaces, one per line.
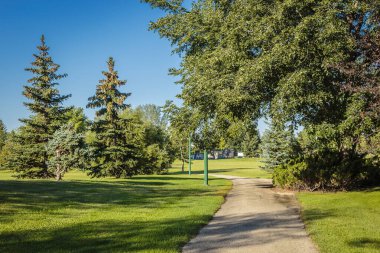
{"x":45,"y":104}
{"x":114,"y":149}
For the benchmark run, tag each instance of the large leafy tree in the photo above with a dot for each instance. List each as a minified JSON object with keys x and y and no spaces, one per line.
{"x":153,"y":114}
{"x":46,"y":105}
{"x":180,"y":128}
{"x":113,"y":146}
{"x":258,"y":56}
{"x":153,"y":148}
{"x":310,"y":63}
{"x":157,"y":142}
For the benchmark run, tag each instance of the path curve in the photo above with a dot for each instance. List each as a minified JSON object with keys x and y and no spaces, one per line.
{"x":254,"y":218}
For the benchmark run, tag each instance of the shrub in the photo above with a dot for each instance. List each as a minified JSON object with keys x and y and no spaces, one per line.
{"x":330,"y":172}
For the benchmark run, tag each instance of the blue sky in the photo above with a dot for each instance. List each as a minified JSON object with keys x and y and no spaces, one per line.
{"x":82,"y":34}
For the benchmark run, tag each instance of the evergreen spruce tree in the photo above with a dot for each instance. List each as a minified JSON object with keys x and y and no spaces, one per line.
{"x":65,"y":150}
{"x":45,"y":104}
{"x":114,"y":147}
{"x":279,"y":146}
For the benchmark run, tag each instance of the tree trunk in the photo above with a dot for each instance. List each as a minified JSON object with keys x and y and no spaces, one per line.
{"x":58,"y":175}
{"x":183,"y":160}
{"x":58,"y":171}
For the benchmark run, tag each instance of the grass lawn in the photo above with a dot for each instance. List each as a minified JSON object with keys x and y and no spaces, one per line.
{"x":143,"y":214}
{"x":242,"y":167}
{"x":344,"y":222}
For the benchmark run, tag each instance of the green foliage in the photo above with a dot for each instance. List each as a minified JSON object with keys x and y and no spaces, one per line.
{"x":3,"y":135}
{"x":279,"y":146}
{"x":124,"y":142}
{"x":327,"y":171}
{"x":251,"y":144}
{"x":8,"y":154}
{"x":65,"y":150}
{"x":309,"y":63}
{"x":156,"y":160}
{"x":290,"y":175}
{"x":77,"y":118}
{"x":240,"y":57}
{"x":114,"y":149}
{"x":29,"y":157}
{"x":241,"y":135}
{"x":152,"y":114}
{"x":182,"y":125}
{"x":156,"y":153}
{"x":107,"y":96}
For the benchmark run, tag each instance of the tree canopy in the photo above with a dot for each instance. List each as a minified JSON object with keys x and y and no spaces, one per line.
{"x":300,"y":63}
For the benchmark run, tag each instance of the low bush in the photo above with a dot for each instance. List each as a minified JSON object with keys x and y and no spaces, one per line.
{"x":330,"y":172}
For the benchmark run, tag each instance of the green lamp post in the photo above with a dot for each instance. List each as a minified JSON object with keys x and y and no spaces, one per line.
{"x":205,"y":160}
{"x":189,"y":155}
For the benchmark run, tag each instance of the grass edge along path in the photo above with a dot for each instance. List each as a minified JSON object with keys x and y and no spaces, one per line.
{"x":240,"y":167}
{"x":343,"y":222}
{"x":142,"y":214}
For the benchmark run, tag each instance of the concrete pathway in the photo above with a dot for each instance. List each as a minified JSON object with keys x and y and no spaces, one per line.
{"x":254,"y":219}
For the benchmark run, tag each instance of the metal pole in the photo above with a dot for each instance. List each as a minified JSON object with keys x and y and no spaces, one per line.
{"x":205,"y":159}
{"x":190,"y":155}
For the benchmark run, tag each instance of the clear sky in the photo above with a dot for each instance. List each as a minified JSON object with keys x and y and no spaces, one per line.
{"x":82,"y":34}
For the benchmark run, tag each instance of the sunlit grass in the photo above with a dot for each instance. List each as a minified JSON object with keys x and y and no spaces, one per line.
{"x":142,"y":214}
{"x":242,"y":167}
{"x":344,"y":222}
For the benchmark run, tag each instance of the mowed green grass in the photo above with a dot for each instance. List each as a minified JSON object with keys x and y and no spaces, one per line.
{"x":142,"y":214}
{"x":344,"y":222}
{"x":242,"y":167}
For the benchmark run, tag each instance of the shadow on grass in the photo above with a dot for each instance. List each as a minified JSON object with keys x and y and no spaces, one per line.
{"x":372,"y":189}
{"x":164,"y":235}
{"x":56,"y":199}
{"x":368,"y":243}
{"x":210,"y":171}
{"x":168,"y":235}
{"x":311,"y":215}
{"x":41,"y":195}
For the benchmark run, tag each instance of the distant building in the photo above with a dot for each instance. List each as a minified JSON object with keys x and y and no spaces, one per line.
{"x":240,"y":154}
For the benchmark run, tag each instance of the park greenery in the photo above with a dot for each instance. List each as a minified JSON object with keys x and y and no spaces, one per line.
{"x":311,"y":68}
{"x":160,"y":213}
{"x":119,"y":142}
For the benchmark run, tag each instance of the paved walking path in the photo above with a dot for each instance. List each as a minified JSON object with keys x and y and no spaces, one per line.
{"x":254,"y":219}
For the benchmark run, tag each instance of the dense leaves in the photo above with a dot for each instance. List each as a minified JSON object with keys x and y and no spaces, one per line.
{"x":310,"y":63}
